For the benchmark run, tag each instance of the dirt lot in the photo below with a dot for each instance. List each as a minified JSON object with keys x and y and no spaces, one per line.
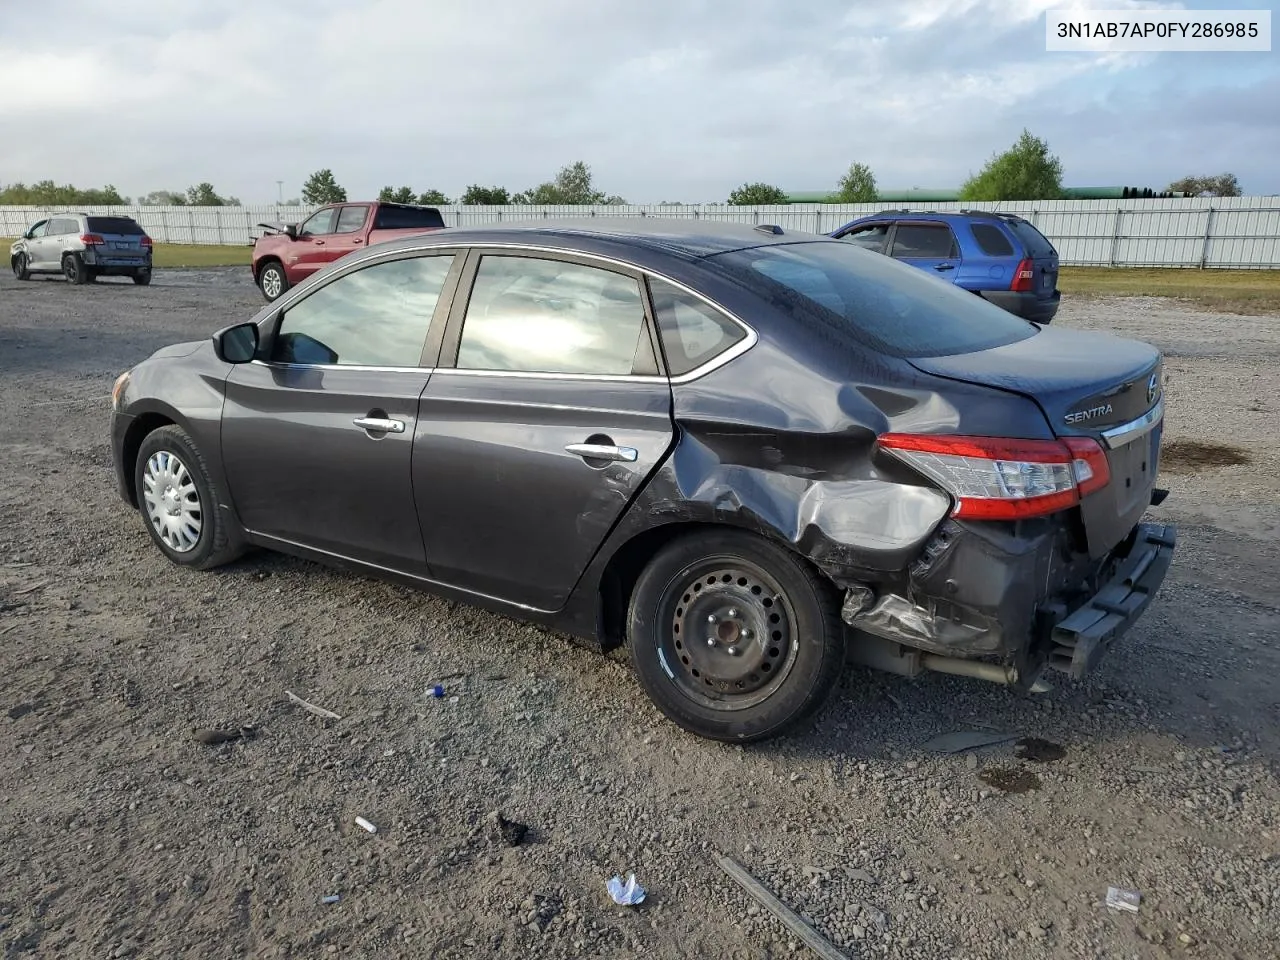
{"x":123,"y":836}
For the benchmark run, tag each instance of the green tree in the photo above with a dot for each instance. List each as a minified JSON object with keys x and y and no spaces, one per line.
{"x":757,"y":195}
{"x":433,"y":198}
{"x":163,"y":198}
{"x":390,"y":195}
{"x":478,"y":196}
{"x":203,"y":195}
{"x":572,"y":186}
{"x":858,"y":185}
{"x":47,"y":193}
{"x":322,"y":188}
{"x":1222,"y":185}
{"x":1026,"y":171}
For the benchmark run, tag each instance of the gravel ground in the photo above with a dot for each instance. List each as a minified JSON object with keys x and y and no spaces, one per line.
{"x":125,"y":837}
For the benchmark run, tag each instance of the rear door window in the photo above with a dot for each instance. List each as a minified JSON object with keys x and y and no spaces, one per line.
{"x":923,"y":240}
{"x":693,"y":332}
{"x":120,"y":226}
{"x":992,"y":240}
{"x":533,"y":315}
{"x":351,"y":219}
{"x":888,"y":306}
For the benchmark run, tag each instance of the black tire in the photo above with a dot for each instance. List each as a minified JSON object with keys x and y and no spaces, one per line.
{"x":143,"y":277}
{"x":211,"y":545}
{"x":273,"y":281}
{"x":74,"y":269}
{"x":779,"y":642}
{"x":20,"y":265}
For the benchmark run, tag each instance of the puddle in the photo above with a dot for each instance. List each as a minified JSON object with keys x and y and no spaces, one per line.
{"x":1039,"y":751}
{"x":1009,"y":780}
{"x":1192,"y":456}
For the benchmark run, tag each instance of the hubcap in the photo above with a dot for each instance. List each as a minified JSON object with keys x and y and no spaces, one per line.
{"x":271,"y":283}
{"x":731,"y":634}
{"x":173,"y":502}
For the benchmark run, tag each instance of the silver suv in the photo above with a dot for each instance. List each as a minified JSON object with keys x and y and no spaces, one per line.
{"x":83,"y":248}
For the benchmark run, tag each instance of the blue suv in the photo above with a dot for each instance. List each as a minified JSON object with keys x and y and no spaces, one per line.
{"x":998,"y":256}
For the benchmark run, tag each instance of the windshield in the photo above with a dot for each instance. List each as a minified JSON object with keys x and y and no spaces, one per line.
{"x":896,"y":309}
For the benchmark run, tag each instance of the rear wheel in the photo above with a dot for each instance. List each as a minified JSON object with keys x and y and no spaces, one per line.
{"x":272,"y":281}
{"x":74,"y":268}
{"x":142,"y":277}
{"x":734,"y":638}
{"x":20,"y":267}
{"x":177,"y":499}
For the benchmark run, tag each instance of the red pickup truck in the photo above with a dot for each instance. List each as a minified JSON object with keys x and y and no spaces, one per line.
{"x":290,"y":252}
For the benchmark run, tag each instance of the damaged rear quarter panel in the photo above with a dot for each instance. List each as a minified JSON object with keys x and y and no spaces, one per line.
{"x":781,"y":442}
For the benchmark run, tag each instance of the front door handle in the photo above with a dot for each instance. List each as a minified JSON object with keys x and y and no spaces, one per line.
{"x":379,"y":424}
{"x":945,"y":266}
{"x":603,"y":451}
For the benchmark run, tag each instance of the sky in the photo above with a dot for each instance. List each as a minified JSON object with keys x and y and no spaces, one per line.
{"x":666,"y":100}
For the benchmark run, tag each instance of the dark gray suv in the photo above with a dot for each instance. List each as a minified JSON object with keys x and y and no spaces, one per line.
{"x":738,"y":451}
{"x":83,"y":248}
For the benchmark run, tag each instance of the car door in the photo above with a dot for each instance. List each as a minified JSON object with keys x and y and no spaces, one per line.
{"x":317,"y":434}
{"x":348,"y":231}
{"x":544,"y":419}
{"x":35,"y":244}
{"x":310,"y":251}
{"x":929,"y":245}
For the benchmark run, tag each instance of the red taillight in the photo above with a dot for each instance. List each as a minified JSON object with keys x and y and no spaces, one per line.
{"x":994,"y":478}
{"x":91,"y":239}
{"x":146,"y":241}
{"x":1024,"y":278}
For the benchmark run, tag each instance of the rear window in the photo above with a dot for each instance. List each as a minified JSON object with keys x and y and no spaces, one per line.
{"x":121,"y":226}
{"x":888,"y":306}
{"x":407,"y":218}
{"x":991,"y":240}
{"x":1035,"y":242}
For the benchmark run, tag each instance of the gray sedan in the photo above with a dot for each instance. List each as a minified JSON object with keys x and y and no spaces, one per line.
{"x":744,"y":453}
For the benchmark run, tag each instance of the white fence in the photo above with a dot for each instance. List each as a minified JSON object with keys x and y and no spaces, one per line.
{"x":1207,"y":232}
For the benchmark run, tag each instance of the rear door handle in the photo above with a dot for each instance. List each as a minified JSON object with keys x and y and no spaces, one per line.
{"x":379,"y":424}
{"x":601,"y":451}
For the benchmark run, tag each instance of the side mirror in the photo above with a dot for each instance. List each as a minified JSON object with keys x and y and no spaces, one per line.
{"x":27,"y":235}
{"x":238,"y":344}
{"x":291,"y":231}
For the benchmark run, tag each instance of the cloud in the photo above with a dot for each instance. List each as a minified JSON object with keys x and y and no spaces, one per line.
{"x":665,"y":100}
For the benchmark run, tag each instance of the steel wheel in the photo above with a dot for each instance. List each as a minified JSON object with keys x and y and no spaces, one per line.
{"x":731,"y":637}
{"x":172,"y":501}
{"x":734,"y":637}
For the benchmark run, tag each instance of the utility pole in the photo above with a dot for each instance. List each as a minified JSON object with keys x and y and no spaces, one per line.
{"x":280,"y":192}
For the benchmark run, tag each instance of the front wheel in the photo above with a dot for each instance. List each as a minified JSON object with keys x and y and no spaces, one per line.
{"x":21,"y":267}
{"x":176,"y":498}
{"x":272,"y":281}
{"x":733,"y":637}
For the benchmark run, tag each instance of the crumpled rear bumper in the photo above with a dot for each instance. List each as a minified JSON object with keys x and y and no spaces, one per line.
{"x":1082,"y":637}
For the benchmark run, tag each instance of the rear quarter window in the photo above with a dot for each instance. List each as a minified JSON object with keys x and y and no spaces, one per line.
{"x":1036,"y":243}
{"x":891,"y":307}
{"x":991,"y":240}
{"x":121,"y":226}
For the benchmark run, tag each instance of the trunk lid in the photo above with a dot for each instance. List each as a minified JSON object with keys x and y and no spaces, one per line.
{"x":1088,"y":385}
{"x":1043,"y":256}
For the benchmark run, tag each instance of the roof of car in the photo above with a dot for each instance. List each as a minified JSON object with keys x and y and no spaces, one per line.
{"x":693,"y":238}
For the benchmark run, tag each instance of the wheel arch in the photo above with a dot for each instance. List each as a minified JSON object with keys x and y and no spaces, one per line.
{"x":265,"y":261}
